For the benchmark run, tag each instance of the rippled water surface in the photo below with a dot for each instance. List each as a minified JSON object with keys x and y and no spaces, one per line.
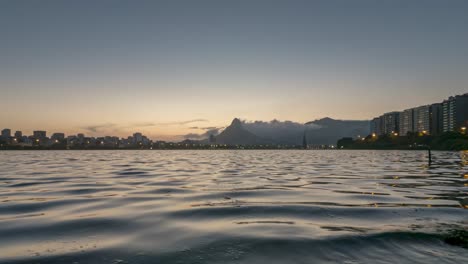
{"x":232,"y":206}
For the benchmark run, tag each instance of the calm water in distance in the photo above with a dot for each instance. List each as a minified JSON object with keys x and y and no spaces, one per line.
{"x":233,"y":206}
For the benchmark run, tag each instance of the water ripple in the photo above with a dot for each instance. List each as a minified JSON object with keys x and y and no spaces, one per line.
{"x":232,"y":206}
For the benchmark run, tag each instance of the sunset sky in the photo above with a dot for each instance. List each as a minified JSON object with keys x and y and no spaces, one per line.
{"x":165,"y":67}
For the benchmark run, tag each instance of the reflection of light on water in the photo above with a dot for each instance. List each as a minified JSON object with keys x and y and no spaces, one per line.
{"x":464,"y":203}
{"x":184,"y":199}
{"x":60,"y":246}
{"x":464,"y":157}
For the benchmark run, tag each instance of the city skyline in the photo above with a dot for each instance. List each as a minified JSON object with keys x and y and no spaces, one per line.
{"x":165,"y":67}
{"x":446,"y":118}
{"x":115,"y":130}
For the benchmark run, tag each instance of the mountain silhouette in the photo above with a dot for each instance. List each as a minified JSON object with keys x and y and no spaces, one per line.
{"x":325,"y":131}
{"x":328,"y":130}
{"x":235,"y":134}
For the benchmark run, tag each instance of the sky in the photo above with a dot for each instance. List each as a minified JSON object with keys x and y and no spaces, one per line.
{"x":170,"y":68}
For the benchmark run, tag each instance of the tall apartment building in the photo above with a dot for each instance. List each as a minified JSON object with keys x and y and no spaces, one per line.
{"x":6,"y":133}
{"x":455,"y":113}
{"x":391,"y":123}
{"x":18,"y":134}
{"x":58,"y":136}
{"x":39,"y":134}
{"x":137,"y":138}
{"x":406,"y":121}
{"x":436,"y":119}
{"x":422,"y":119}
{"x":376,"y":126}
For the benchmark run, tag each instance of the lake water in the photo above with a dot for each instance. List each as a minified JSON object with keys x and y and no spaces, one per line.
{"x":233,"y":206}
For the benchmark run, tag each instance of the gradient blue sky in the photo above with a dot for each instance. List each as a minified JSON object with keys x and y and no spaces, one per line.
{"x":114,"y":67}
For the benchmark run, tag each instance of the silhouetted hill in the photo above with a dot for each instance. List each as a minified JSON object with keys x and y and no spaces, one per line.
{"x":235,"y":134}
{"x":325,"y":131}
{"x":328,"y":130}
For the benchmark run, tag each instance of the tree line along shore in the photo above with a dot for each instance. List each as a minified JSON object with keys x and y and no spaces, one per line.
{"x":446,"y":141}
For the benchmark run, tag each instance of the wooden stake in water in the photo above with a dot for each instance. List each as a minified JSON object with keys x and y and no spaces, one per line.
{"x":429,"y":154}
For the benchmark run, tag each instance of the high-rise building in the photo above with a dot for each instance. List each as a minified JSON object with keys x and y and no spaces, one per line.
{"x":39,"y":134}
{"x":138,"y":138}
{"x":406,"y":122}
{"x":18,"y":134}
{"x":391,"y":123}
{"x":6,"y":133}
{"x":455,"y":113}
{"x":146,"y":141}
{"x":422,"y":119}
{"x":436,"y":119}
{"x":58,"y":136}
{"x":80,"y":139}
{"x":375,"y":126}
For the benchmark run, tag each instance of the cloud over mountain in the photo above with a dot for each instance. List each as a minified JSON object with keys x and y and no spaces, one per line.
{"x":284,"y":132}
{"x":209,"y":131}
{"x":318,"y":132}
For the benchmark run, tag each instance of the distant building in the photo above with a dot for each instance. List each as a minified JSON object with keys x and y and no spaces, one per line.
{"x":80,"y":139}
{"x":39,"y":134}
{"x":422,"y":119}
{"x":433,"y":119}
{"x":18,"y":135}
{"x":436,"y":119}
{"x":6,"y":133}
{"x":137,"y":138}
{"x":375,"y":126}
{"x":146,"y":141}
{"x":90,"y":141}
{"x":58,"y":136}
{"x":72,"y":141}
{"x":26,"y":142}
{"x":455,"y":113}
{"x":391,"y":123}
{"x":124,"y":143}
{"x":406,"y":122}
{"x":111,"y":141}
{"x":100,"y":141}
